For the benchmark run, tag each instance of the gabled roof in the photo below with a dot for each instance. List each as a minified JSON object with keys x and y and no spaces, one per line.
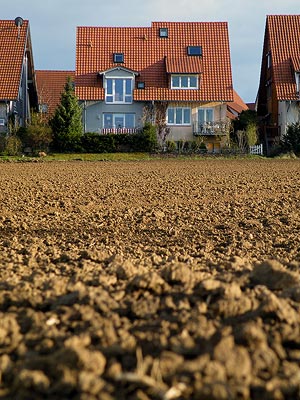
{"x":50,"y":85}
{"x":155,"y":57}
{"x":283,"y":32}
{"x":13,"y":42}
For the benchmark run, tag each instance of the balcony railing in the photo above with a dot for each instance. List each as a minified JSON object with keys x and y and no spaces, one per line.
{"x":125,"y":131}
{"x":214,"y":128}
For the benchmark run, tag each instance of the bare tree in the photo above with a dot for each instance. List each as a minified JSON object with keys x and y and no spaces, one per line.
{"x":155,"y":114}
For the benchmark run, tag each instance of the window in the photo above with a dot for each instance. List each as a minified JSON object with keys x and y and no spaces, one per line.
{"x":205,"y":121}
{"x":118,"y":121}
{"x":205,"y":115}
{"x":163,"y":32}
{"x":2,"y":122}
{"x":141,"y":85}
{"x":179,"y":116}
{"x":194,"y":50}
{"x":118,"y":90}
{"x":118,"y":57}
{"x":184,"y":82}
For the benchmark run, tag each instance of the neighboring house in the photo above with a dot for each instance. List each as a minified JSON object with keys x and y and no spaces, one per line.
{"x":278,"y":98}
{"x":50,"y":86}
{"x":17,"y":83}
{"x":235,"y":107}
{"x":178,"y":73}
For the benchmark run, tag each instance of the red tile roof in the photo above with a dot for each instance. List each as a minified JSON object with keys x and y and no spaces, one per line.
{"x":184,"y":64}
{"x":154,"y":57}
{"x":50,"y":85}
{"x":12,"y":49}
{"x":284,"y":37}
{"x":236,"y":107}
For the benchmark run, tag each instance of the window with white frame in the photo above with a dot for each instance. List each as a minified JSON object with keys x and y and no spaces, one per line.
{"x":184,"y":82}
{"x":118,"y":90}
{"x":179,"y":116}
{"x":118,"y":120}
{"x":2,"y":121}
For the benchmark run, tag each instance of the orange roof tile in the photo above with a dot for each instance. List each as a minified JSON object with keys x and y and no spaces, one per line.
{"x":235,"y":107}
{"x":153,"y":57}
{"x":12,"y":49}
{"x":284,"y":37}
{"x":184,"y":64}
{"x":50,"y":85}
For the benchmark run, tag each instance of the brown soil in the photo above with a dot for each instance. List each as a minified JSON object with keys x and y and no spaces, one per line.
{"x":150,"y":280}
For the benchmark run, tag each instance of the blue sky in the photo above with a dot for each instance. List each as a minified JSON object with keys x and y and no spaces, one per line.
{"x":53,"y":27}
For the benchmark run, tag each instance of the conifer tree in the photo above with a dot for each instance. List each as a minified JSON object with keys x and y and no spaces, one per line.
{"x":66,"y":123}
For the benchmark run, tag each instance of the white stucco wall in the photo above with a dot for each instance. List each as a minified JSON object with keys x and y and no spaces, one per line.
{"x":186,"y":132}
{"x":288,"y":113}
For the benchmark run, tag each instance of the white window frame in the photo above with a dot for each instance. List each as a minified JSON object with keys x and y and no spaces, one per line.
{"x":184,"y":76}
{"x":2,"y":122}
{"x":116,"y":115}
{"x":177,"y":111}
{"x":114,"y":94}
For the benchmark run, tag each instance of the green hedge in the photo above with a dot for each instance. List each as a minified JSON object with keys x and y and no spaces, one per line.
{"x":145,"y":140}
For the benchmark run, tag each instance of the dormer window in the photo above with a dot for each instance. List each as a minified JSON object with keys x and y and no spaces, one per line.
{"x":184,"y":81}
{"x":118,"y":57}
{"x":118,"y":90}
{"x":163,"y":32}
{"x":194,"y":51}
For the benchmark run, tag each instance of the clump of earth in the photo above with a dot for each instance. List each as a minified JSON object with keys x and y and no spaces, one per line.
{"x":167,"y":279}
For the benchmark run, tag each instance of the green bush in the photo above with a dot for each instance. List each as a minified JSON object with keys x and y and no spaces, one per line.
{"x":37,"y":135}
{"x":92,"y":142}
{"x":10,"y":145}
{"x":144,"y":141}
{"x":202,"y":148}
{"x":291,"y":139}
{"x":170,"y":146}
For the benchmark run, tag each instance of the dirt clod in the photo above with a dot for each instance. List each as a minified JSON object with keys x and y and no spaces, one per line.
{"x":167,"y":279}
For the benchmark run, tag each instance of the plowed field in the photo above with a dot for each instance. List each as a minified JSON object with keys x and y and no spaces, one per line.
{"x":165,"y":280}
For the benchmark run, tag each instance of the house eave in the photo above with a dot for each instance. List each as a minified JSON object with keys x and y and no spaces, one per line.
{"x":119,"y":68}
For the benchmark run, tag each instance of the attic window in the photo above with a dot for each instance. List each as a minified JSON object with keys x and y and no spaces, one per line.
{"x":118,"y":57}
{"x":163,"y":32}
{"x":194,"y":50}
{"x":141,"y":85}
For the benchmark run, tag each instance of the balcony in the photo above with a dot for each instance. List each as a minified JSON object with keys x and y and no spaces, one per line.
{"x":214,"y":128}
{"x":118,"y":131}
